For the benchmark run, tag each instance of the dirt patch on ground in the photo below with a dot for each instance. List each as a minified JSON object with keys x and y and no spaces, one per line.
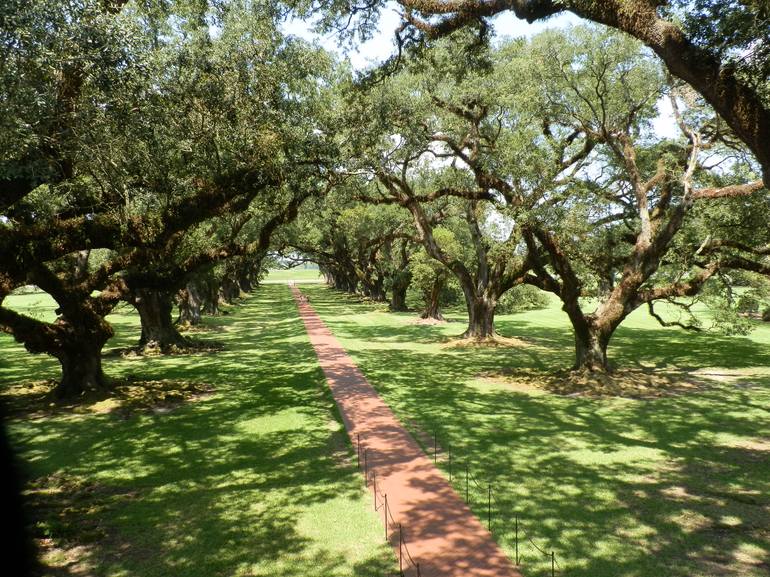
{"x":192,"y":346}
{"x":497,"y":341}
{"x":126,"y":396}
{"x":760,"y":444}
{"x":744,"y":378}
{"x":627,"y":383}
{"x":500,"y":382}
{"x":200,"y":329}
{"x":428,"y":322}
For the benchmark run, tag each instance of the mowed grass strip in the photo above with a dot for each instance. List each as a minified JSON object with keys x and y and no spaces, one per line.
{"x":293,"y":274}
{"x":255,"y":478}
{"x":675,"y":485}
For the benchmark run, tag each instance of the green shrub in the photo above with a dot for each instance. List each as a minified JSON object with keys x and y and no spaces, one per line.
{"x":522,"y":298}
{"x":747,"y":303}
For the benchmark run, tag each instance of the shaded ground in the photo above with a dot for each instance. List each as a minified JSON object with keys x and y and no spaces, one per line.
{"x":445,"y":539}
{"x":667,"y":475}
{"x":250,"y":476}
{"x":636,"y":383}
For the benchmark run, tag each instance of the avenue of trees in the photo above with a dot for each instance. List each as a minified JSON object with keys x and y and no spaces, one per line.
{"x":162,"y":154}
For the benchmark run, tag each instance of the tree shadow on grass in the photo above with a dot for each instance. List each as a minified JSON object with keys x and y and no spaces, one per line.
{"x":246,"y":481}
{"x":675,"y":486}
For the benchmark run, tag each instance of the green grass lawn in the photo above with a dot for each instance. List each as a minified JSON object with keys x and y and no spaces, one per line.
{"x":254,"y":479}
{"x":293,"y":274}
{"x":676,"y":486}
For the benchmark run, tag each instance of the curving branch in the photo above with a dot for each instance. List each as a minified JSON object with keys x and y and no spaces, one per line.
{"x":664,"y":323}
{"x":733,"y":97}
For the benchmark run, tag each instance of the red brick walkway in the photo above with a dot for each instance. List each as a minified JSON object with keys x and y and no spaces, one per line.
{"x":441,"y":532}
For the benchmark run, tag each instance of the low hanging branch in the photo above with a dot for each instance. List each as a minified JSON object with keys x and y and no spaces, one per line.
{"x":664,"y":323}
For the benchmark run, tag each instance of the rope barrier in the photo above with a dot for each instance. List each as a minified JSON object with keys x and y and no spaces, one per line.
{"x":391,"y":525}
{"x":470,"y":481}
{"x":381,"y":504}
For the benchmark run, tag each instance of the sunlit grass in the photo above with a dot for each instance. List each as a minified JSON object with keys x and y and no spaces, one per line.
{"x":254,"y":479}
{"x":293,"y":274}
{"x":617,"y":487}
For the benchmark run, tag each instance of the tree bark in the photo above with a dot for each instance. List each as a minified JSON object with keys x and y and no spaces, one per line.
{"x":190,"y":305}
{"x":244,"y":282}
{"x":398,"y":295}
{"x":433,"y":302}
{"x":345,"y":282}
{"x":82,"y":373}
{"x":77,"y":342}
{"x":591,"y":348}
{"x":230,"y":290}
{"x":481,"y":318}
{"x":211,"y":298}
{"x":158,"y":330}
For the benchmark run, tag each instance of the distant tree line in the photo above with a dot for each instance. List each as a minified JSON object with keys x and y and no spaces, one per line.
{"x":162,"y":154}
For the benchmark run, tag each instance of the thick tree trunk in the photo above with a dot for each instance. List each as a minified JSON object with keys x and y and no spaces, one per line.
{"x":158,"y":330}
{"x":376,"y":290}
{"x":593,"y":333}
{"x":190,"y":305}
{"x":230,"y":290}
{"x":81,"y":371}
{"x":481,"y":318}
{"x":433,"y":302}
{"x":211,"y":299}
{"x":78,"y":347}
{"x":244,"y":282}
{"x":591,"y":348}
{"x":398,"y":296}
{"x":75,"y":339}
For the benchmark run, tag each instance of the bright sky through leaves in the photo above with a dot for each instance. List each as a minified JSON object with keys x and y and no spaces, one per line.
{"x":506,"y":25}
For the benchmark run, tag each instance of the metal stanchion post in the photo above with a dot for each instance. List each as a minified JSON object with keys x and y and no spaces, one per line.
{"x":466,"y":484}
{"x":358,"y":450}
{"x":516,"y":538}
{"x":386,"y":517}
{"x":374,"y":486}
{"x":489,"y":507}
{"x":400,"y":551}
{"x":450,"y":463}
{"x":366,"y":467}
{"x":553,"y":565}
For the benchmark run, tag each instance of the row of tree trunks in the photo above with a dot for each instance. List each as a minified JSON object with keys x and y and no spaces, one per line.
{"x":374,"y":288}
{"x":341,"y":279}
{"x":230,"y":290}
{"x":159,"y":332}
